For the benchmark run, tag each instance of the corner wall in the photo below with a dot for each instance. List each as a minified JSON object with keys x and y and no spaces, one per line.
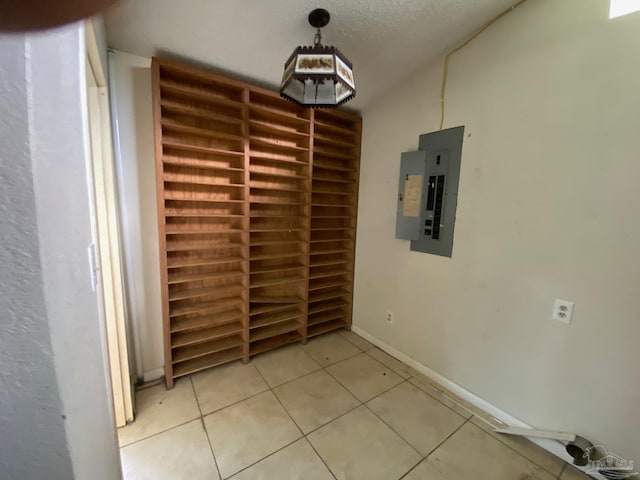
{"x":547,"y":208}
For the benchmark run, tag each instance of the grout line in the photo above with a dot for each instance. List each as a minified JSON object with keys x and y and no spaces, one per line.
{"x":393,"y":430}
{"x":434,"y":449}
{"x":293,"y":380}
{"x":412,"y":468}
{"x":281,"y":404}
{"x":261,"y":459}
{"x":321,"y":459}
{"x":333,"y":419}
{"x":157,"y":433}
{"x":204,"y":427}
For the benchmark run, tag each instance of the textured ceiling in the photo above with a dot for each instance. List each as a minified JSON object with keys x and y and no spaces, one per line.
{"x":385,"y":39}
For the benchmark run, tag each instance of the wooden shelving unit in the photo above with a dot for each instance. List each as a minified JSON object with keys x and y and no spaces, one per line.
{"x":279,"y":172}
{"x":257,"y":201}
{"x":334,"y":203}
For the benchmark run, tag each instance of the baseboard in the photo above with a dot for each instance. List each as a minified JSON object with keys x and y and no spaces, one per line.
{"x":552,"y":446}
{"x":152,"y":375}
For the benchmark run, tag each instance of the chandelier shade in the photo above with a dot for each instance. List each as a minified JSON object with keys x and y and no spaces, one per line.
{"x":318,"y":76}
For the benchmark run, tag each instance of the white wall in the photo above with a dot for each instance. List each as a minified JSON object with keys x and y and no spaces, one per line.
{"x":548,"y":208}
{"x":130,"y":84}
{"x":57,"y":417}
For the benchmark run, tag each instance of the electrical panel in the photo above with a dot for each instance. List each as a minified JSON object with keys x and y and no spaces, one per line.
{"x":428,"y":192}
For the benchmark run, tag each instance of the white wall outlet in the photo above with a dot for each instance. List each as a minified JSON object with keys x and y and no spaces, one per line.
{"x":562,"y":311}
{"x":389,"y":317}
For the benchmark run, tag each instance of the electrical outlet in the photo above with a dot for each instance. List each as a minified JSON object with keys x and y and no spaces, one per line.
{"x":389,"y":317}
{"x":562,"y":311}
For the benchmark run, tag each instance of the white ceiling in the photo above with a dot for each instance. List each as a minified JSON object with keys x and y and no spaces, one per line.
{"x":385,"y":39}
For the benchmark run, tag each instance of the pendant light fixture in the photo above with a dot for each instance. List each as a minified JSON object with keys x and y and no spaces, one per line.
{"x":318,"y":76}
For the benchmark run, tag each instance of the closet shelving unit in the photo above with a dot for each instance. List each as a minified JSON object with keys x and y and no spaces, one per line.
{"x":257,"y":201}
{"x":279,"y":172}
{"x":334,"y":203}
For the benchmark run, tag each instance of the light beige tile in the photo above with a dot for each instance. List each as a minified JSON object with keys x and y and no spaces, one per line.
{"x":182,"y":453}
{"x":330,"y":348}
{"x":473,"y":453}
{"x":364,"y":377}
{"x":420,"y":419}
{"x":284,"y":364}
{"x":158,"y":409}
{"x":424,"y":471}
{"x":405,"y":371}
{"x":572,"y":473}
{"x":315,"y":400}
{"x":356,"y":339}
{"x":221,"y":386}
{"x":533,"y":452}
{"x":298,"y":461}
{"x":439,"y":393}
{"x":248,"y":431}
{"x":359,"y":446}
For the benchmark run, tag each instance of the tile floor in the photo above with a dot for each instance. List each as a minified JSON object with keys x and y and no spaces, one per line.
{"x":336,"y":408}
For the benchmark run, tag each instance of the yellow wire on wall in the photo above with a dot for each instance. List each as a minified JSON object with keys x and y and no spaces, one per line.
{"x":460,"y":47}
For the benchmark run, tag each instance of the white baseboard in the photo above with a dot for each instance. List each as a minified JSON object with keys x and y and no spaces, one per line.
{"x":552,"y":446}
{"x":152,"y":375}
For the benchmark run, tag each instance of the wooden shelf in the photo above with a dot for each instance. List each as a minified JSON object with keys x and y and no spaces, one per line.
{"x":206,"y":334}
{"x":203,"y":292}
{"x":200,"y":306}
{"x":199,"y":132}
{"x":277,"y":268}
{"x":198,"y":165}
{"x":196,"y":246}
{"x":321,"y":328}
{"x":181,"y":354}
{"x":199,"y":262}
{"x":331,"y":294}
{"x":198,"y":149}
{"x":327,"y":166}
{"x":199,"y":95}
{"x":275,"y":330}
{"x":268,"y":308}
{"x":274,"y":158}
{"x":273,"y":319}
{"x":276,"y":299}
{"x":326,"y":316}
{"x":177,"y":107}
{"x":207,"y":361}
{"x":261,"y":346}
{"x":327,"y":284}
{"x":257,"y":200}
{"x":219,"y":319}
{"x":328,"y":305}
{"x":175,"y":278}
{"x":314,"y":276}
{"x":264,"y":142}
{"x":276,"y":281}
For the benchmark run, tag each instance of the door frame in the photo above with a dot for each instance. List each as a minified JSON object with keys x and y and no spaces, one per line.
{"x":111,"y":286}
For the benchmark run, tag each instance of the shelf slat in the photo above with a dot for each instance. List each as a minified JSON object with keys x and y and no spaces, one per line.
{"x":205,"y":334}
{"x":207,"y":361}
{"x":274,"y":342}
{"x":273,"y":319}
{"x":216,"y":319}
{"x":181,"y":354}
{"x":274,"y":330}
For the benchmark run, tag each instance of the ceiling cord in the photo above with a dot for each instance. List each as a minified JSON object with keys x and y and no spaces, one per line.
{"x":460,"y":47}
